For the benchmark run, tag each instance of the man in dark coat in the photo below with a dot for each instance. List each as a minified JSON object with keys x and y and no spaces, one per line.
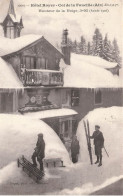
{"x":75,"y":149}
{"x":99,"y":143}
{"x":39,"y":152}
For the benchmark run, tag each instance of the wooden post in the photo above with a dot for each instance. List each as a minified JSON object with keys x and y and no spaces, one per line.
{"x":18,"y":162}
{"x":62,"y":163}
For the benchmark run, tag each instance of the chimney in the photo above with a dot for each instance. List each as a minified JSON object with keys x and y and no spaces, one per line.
{"x":65,"y":47}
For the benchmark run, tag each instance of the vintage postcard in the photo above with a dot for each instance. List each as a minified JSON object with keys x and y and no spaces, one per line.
{"x":61,"y":88}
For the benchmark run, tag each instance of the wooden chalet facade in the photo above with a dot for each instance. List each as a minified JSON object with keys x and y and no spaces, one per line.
{"x":37,"y":64}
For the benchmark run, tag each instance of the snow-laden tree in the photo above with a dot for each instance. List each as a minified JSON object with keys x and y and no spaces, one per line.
{"x":82,"y":46}
{"x":70,"y":43}
{"x":107,"y":49}
{"x":97,"y":43}
{"x":115,"y":52}
{"x":98,"y":47}
{"x":99,"y":50}
{"x":89,"y":49}
{"x":74,"y":46}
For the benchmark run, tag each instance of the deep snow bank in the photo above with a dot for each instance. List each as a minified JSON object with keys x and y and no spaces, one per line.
{"x":18,"y":136}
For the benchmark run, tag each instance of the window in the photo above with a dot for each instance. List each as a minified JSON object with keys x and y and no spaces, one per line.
{"x":98,"y":96}
{"x":42,"y":63}
{"x":29,"y":62}
{"x":65,"y":126}
{"x":12,"y":32}
{"x":8,"y":32}
{"x":75,"y":97}
{"x":6,"y":103}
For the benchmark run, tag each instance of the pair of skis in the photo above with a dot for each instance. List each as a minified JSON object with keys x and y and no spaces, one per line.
{"x":87,"y":133}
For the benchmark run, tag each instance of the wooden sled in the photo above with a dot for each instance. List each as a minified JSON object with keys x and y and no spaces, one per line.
{"x":28,"y":168}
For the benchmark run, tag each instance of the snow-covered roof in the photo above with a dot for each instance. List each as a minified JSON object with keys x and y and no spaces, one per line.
{"x":44,"y":70}
{"x":97,"y":61}
{"x":8,"y":46}
{"x":51,"y":113}
{"x":84,"y":74}
{"x":8,"y":77}
{"x":17,"y":19}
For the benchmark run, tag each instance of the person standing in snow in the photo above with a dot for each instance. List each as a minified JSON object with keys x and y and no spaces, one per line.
{"x":75,"y":149}
{"x":39,"y":152}
{"x":98,"y":143}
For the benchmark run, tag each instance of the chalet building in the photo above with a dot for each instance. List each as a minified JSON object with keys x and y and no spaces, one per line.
{"x":42,"y":91}
{"x":36,"y":63}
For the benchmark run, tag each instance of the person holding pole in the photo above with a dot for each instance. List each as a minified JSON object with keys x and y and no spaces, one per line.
{"x":98,"y":143}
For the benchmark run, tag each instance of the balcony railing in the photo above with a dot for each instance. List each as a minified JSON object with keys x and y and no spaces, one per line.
{"x":37,"y":108}
{"x":41,"y":77}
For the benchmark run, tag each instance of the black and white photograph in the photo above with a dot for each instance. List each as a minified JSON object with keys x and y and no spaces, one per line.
{"x":61,"y":97}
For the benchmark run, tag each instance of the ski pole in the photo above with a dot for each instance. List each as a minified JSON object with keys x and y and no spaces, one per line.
{"x":106,"y":151}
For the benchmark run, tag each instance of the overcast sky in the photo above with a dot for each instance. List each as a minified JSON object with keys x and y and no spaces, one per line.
{"x":51,"y":25}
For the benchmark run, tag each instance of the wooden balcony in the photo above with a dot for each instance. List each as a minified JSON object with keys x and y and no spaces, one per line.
{"x":41,"y":77}
{"x":37,"y":108}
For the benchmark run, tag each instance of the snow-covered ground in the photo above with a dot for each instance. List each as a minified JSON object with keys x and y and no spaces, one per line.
{"x":19,"y":134}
